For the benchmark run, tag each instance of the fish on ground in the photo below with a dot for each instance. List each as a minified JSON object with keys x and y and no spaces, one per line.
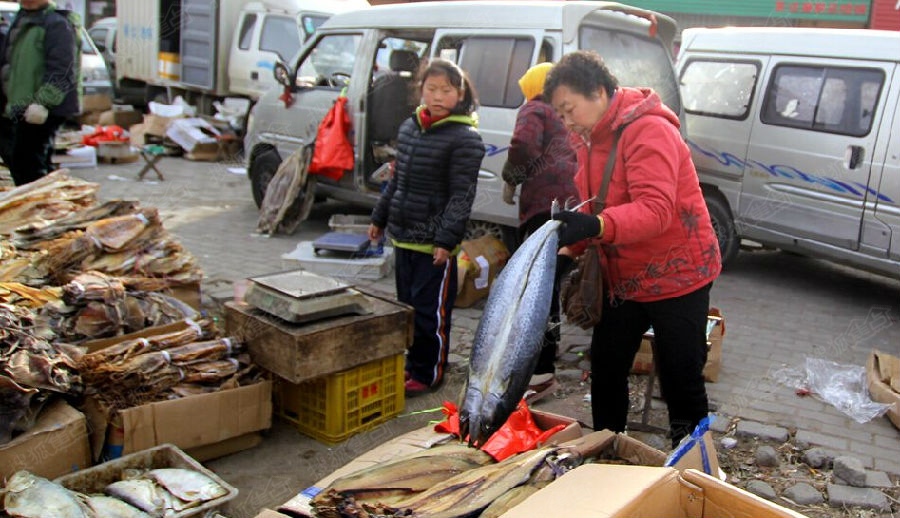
{"x":509,"y":336}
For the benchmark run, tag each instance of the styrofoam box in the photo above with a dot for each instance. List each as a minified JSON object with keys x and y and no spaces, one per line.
{"x":338,"y":265}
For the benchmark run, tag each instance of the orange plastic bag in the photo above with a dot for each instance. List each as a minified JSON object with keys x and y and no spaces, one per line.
{"x":519,"y":433}
{"x":333,"y":152}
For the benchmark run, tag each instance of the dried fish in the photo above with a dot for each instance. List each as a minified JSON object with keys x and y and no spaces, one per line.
{"x":109,"y":507}
{"x":38,"y":231}
{"x":141,"y":493}
{"x":188,"y":485}
{"x":93,"y":285}
{"x":15,"y":402}
{"x":30,"y":496}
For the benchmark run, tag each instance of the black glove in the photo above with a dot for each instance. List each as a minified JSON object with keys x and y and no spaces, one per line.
{"x":576,"y":226}
{"x":564,"y":264}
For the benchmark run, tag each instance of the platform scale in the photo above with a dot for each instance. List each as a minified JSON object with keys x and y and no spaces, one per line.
{"x":300,"y":296}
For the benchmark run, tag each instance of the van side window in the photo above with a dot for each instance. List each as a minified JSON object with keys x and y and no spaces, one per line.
{"x":828,"y":99}
{"x":719,"y":88}
{"x":330,"y":62}
{"x":634,"y":60}
{"x":494,"y":64}
{"x":281,"y":36}
{"x":310,"y":24}
{"x":247,"y":31}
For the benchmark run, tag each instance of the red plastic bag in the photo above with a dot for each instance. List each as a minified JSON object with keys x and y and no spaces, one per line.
{"x":519,"y":433}
{"x":110,"y":133}
{"x":333,"y":153}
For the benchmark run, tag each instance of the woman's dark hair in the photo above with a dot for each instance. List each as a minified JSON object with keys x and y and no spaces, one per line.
{"x":584,"y":72}
{"x":457,"y":78}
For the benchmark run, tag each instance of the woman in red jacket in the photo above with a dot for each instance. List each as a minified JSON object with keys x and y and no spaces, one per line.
{"x":659,"y":254}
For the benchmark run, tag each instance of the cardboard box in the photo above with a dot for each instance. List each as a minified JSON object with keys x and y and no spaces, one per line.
{"x":188,"y":422}
{"x":614,"y":491}
{"x":226,"y":447}
{"x":157,"y":124}
{"x":411,"y":442}
{"x":479,"y":262}
{"x":57,"y":444}
{"x":116,"y":152}
{"x":302,"y":352}
{"x":222,"y":149}
{"x":92,"y":103}
{"x":643,"y":360}
{"x":122,"y":118}
{"x":883,"y":374}
{"x":100,"y":343}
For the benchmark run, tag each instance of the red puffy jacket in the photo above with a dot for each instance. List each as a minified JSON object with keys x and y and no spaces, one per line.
{"x":658,"y":241}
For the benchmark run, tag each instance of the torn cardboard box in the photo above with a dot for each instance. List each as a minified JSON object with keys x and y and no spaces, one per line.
{"x":479,"y":263}
{"x":57,"y":444}
{"x":715,"y":333}
{"x":883,"y":374}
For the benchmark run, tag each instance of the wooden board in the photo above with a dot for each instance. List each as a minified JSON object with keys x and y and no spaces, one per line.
{"x":302,"y":352}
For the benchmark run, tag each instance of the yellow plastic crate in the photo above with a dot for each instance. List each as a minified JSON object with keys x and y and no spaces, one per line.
{"x":334,"y":407}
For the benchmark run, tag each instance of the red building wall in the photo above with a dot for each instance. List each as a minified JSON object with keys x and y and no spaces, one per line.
{"x":885,"y":15}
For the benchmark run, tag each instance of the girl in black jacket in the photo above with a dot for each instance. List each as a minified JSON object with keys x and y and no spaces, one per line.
{"x":425,"y":208}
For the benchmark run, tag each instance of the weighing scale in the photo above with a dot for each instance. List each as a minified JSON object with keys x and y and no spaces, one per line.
{"x":300,"y":296}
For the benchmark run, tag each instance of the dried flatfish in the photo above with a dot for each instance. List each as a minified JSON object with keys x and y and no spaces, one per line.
{"x":109,"y":507}
{"x":188,"y":485}
{"x":36,"y":232}
{"x":209,"y":371}
{"x":113,"y":234}
{"x":198,"y":330}
{"x":23,"y":295}
{"x":93,"y":285}
{"x":30,"y":496}
{"x":141,"y":493}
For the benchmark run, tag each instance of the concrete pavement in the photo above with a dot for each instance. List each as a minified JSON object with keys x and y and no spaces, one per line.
{"x":780,"y":309}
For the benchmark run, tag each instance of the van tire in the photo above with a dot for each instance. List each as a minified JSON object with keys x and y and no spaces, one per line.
{"x":263,"y":166}
{"x":723,"y":225}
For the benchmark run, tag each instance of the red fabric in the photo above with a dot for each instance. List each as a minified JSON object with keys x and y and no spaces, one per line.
{"x":659,"y":241}
{"x":333,"y":152}
{"x":519,"y":433}
{"x":426,"y":120}
{"x":110,"y":133}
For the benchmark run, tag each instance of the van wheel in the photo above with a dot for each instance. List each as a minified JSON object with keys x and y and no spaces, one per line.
{"x":263,"y":166}
{"x":723,"y":224}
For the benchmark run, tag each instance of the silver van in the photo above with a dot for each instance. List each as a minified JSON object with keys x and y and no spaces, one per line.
{"x":795,"y":136}
{"x":374,"y":54}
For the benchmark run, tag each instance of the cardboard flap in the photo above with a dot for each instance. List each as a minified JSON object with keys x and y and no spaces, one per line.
{"x":137,"y":422}
{"x":691,"y":498}
{"x":722,"y":499}
{"x":638,"y":453}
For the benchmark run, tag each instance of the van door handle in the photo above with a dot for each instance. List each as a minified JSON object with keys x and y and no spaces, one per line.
{"x":854,"y":156}
{"x":254,"y":75}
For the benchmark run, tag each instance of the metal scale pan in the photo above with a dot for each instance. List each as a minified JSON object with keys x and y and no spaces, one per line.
{"x":300,"y":296}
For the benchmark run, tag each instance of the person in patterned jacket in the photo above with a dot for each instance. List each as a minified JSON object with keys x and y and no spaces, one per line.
{"x":541,"y":160}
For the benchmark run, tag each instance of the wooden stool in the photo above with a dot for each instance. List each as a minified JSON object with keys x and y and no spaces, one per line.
{"x":151,"y":153}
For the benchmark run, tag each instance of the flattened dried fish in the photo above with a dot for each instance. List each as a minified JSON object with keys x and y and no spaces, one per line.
{"x":109,"y":507}
{"x":141,"y":493}
{"x":188,"y":485}
{"x":31,"y":496}
{"x":15,"y":402}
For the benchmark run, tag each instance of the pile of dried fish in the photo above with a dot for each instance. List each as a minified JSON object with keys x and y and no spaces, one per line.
{"x":50,"y":198}
{"x":117,"y":237}
{"x":140,"y":494}
{"x":451,"y":481}
{"x":94,"y":305}
{"x":170,"y":365}
{"x":29,"y":361}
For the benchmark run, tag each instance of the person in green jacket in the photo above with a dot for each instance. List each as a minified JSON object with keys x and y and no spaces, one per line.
{"x":39,"y":77}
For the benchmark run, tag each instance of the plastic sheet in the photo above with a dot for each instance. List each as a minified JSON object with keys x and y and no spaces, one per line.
{"x":840,"y":385}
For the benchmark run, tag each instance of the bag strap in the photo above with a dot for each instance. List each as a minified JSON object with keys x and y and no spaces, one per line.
{"x":607,"y":173}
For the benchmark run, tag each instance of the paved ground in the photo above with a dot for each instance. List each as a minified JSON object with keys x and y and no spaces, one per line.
{"x":780,"y":310}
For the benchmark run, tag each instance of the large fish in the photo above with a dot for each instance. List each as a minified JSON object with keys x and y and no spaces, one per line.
{"x":509,"y":336}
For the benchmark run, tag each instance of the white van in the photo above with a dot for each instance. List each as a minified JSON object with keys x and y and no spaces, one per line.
{"x":794,"y":134}
{"x":375,"y":55}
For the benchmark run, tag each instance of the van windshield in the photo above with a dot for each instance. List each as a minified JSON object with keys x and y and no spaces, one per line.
{"x":635,"y":61}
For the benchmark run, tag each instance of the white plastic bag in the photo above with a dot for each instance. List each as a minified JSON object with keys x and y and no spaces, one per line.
{"x":841,"y":385}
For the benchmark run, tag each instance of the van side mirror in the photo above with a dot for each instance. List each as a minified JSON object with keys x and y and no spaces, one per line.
{"x":283,"y":75}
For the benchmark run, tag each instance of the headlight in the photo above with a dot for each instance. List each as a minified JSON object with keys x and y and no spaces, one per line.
{"x":95,"y":74}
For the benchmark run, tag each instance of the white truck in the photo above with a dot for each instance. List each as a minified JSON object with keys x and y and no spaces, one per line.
{"x":204,"y":50}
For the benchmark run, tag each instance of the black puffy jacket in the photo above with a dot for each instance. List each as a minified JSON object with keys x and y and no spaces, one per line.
{"x":429,"y":199}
